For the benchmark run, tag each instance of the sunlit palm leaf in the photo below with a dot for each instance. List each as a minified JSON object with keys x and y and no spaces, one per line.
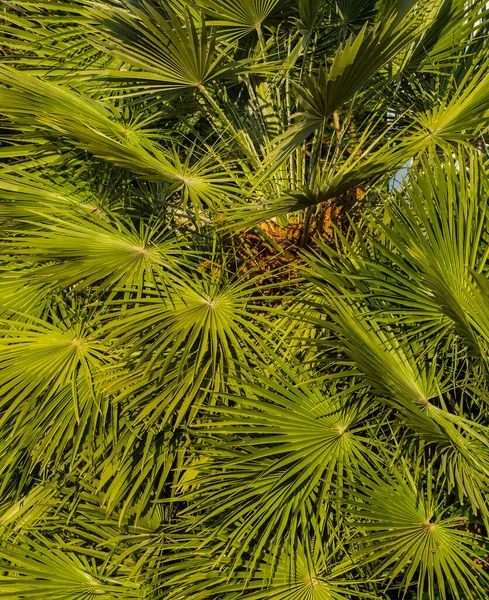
{"x":410,"y":538}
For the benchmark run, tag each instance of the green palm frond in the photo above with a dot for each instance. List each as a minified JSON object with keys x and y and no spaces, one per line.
{"x":166,"y":54}
{"x":85,"y":250}
{"x":40,"y":358}
{"x":206,"y":316}
{"x":99,"y":129}
{"x":397,"y":302}
{"x":355,"y":11}
{"x":352,"y":68}
{"x":463,"y":113}
{"x":241,"y":17}
{"x":39,"y":571}
{"x":295,"y":441}
{"x":409,"y":537}
{"x":445,"y":41}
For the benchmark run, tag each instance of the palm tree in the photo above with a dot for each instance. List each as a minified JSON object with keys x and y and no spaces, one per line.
{"x":234,"y":362}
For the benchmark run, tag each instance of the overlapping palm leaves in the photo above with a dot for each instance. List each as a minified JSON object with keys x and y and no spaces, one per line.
{"x":183,"y":418}
{"x":440,"y":303}
{"x":350,"y":161}
{"x":180,"y":58}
